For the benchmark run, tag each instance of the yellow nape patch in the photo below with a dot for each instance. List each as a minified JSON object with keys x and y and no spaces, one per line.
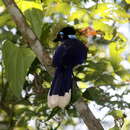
{"x":59,"y":101}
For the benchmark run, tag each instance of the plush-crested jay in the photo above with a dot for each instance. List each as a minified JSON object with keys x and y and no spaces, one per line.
{"x":70,"y":53}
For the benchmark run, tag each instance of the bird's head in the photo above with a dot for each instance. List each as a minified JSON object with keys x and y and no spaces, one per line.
{"x":65,"y":33}
{"x":69,"y":32}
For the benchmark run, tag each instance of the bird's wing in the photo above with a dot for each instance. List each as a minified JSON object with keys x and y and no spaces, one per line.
{"x":75,"y":52}
{"x":58,"y":56}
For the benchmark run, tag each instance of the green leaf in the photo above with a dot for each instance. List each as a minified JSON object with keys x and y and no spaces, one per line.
{"x":45,"y":34}
{"x":117,"y":114}
{"x":127,"y":1}
{"x":123,"y":73}
{"x":5,"y":19}
{"x":82,"y":84}
{"x":76,"y":93}
{"x":35,"y":17}
{"x":81,"y":75}
{"x":126,"y":125}
{"x":53,"y":113}
{"x":58,"y":7}
{"x":17,"y":61}
{"x":115,"y":128}
{"x":104,"y":79}
{"x":122,"y":37}
{"x":92,"y":93}
{"x":115,"y":53}
{"x":100,"y":10}
{"x":99,"y":25}
{"x":96,"y":94}
{"x":6,"y":35}
{"x":77,"y":14}
{"x":1,"y":3}
{"x":25,"y":5}
{"x":110,"y":11}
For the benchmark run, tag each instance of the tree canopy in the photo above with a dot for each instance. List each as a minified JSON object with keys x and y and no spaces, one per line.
{"x":103,"y":79}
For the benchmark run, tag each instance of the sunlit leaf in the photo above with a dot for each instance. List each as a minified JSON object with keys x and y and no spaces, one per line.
{"x":127,"y":1}
{"x":47,"y":2}
{"x":117,"y":114}
{"x":58,"y":7}
{"x":110,"y":11}
{"x":17,"y":61}
{"x":99,"y":25}
{"x":82,"y":84}
{"x":81,"y":75}
{"x":123,"y":73}
{"x":77,"y":14}
{"x":25,"y":5}
{"x":101,"y":10}
{"x":115,"y":54}
{"x":122,"y":37}
{"x":122,"y":13}
{"x":126,"y":125}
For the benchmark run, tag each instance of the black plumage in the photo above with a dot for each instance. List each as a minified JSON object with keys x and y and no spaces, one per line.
{"x":70,"y":53}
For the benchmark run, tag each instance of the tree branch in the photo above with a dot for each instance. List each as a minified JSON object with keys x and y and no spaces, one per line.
{"x":87,"y":116}
{"x":44,"y":58}
{"x":29,"y":35}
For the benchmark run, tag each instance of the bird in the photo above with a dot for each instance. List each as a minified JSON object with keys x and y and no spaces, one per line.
{"x":70,"y":53}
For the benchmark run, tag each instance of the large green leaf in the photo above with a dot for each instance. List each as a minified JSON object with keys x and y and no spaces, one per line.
{"x":33,"y":13}
{"x":35,"y":17}
{"x":17,"y":61}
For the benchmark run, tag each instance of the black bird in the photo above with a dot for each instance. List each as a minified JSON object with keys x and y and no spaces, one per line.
{"x":70,"y":53}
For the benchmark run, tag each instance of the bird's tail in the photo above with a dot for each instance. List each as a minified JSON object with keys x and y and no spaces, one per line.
{"x":60,"y":93}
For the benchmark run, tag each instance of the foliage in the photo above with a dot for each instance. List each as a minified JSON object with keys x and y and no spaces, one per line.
{"x":24,"y":83}
{"x":16,"y":67}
